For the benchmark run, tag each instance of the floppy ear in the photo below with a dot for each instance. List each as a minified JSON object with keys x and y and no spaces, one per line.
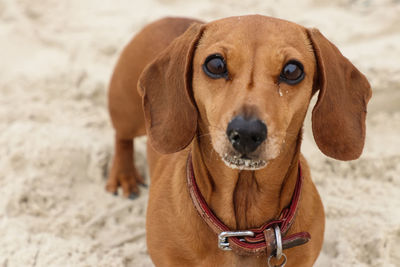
{"x":338,"y":118}
{"x":165,"y":85}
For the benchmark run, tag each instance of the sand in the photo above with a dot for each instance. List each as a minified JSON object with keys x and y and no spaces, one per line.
{"x":56,"y":140}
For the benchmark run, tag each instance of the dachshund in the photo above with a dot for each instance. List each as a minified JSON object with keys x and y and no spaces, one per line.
{"x":223,"y":105}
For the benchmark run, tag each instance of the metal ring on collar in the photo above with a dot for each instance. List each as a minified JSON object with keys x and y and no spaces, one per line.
{"x":278,"y":238}
{"x":280,"y":265}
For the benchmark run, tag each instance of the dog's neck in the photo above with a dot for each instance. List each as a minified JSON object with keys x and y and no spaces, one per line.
{"x":245,"y":199}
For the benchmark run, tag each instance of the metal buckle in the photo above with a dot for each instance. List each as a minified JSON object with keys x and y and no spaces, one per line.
{"x":223,"y":238}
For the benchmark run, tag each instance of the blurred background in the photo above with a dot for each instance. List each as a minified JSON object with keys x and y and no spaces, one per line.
{"x":56,"y":140}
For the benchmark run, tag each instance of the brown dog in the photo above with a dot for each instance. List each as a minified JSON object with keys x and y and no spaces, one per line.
{"x":223,"y":105}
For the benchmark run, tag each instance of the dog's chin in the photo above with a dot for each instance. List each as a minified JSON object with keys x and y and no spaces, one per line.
{"x":236,"y":162}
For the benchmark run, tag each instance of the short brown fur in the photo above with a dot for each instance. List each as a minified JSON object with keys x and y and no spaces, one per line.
{"x":184,"y":110}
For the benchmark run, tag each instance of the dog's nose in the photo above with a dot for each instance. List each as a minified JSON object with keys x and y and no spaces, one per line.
{"x":246,"y":135}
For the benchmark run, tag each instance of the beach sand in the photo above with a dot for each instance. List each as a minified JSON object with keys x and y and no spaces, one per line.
{"x":56,"y":140}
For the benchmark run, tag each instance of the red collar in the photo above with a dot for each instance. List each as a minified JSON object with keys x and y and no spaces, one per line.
{"x":253,"y":241}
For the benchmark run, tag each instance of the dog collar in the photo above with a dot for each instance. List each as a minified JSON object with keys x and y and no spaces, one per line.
{"x":268,"y":239}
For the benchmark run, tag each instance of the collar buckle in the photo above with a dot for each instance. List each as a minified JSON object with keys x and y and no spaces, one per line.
{"x":223,"y":238}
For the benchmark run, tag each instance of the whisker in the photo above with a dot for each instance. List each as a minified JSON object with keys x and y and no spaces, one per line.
{"x":203,"y":135}
{"x":217,"y":127}
{"x":212,"y":153}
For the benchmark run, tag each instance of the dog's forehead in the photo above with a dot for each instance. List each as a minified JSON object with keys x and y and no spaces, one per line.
{"x":254,"y":29}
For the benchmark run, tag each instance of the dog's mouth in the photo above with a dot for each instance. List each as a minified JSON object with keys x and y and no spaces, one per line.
{"x":243,"y":163}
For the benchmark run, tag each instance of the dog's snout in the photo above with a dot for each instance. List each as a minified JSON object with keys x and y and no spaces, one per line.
{"x":246,"y":135}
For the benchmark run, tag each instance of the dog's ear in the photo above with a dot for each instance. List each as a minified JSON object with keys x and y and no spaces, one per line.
{"x":165,"y":86}
{"x":338,"y":118}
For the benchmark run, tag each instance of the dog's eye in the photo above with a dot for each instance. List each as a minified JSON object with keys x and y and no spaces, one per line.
{"x":215,"y":67}
{"x":292,"y":73}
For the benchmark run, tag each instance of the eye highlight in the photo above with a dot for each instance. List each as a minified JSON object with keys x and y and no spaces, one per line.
{"x":215,"y":67}
{"x":292,"y":73}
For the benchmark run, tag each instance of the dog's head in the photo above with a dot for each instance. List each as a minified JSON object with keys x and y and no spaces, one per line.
{"x":248,"y":82}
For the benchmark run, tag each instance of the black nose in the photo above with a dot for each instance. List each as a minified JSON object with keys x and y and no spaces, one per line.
{"x":246,"y":135}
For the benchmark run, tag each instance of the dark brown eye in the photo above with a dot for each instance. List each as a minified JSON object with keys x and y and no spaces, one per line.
{"x":215,"y":67}
{"x":292,"y":73}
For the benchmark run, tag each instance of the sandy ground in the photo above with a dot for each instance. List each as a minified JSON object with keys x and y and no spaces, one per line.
{"x":56,"y":140}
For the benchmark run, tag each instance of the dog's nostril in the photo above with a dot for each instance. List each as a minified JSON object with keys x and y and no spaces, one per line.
{"x":234,"y":136}
{"x":256,"y":138}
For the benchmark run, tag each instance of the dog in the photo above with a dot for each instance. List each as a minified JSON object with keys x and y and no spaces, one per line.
{"x":223,"y":104}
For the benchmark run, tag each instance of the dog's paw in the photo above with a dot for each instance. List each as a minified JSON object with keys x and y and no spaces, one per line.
{"x":128,"y":182}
